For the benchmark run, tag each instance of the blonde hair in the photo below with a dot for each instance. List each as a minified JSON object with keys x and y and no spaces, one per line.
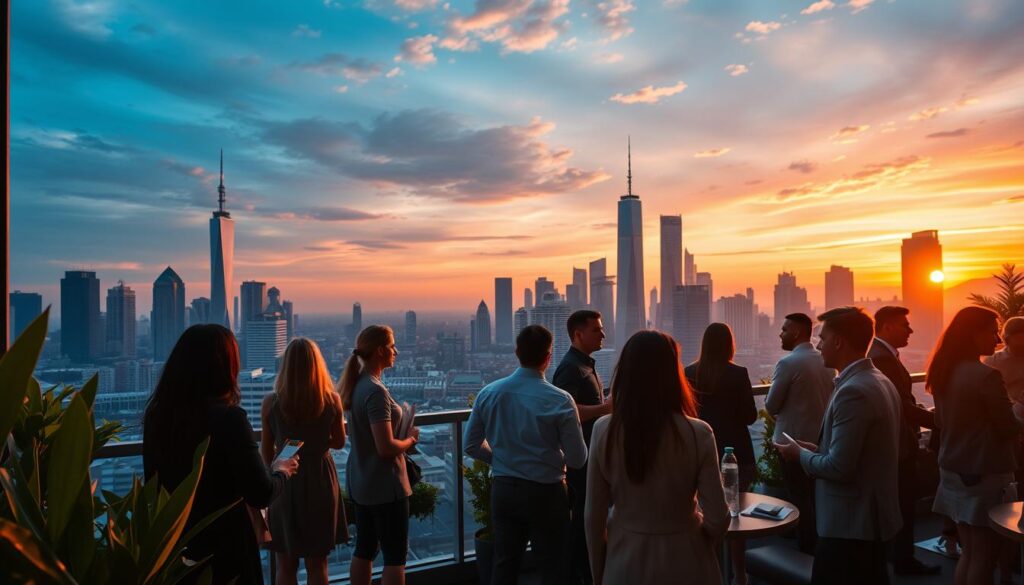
{"x":369,"y":341}
{"x":304,"y":384}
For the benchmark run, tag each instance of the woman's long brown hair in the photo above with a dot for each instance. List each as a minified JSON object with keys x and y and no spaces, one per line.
{"x":303,"y":385}
{"x":957,"y":345}
{"x":648,"y":389}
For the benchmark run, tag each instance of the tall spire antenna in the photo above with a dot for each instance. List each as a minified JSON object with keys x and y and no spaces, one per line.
{"x":629,"y":166}
{"x":220,"y":189}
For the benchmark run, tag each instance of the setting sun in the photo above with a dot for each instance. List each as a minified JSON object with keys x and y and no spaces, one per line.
{"x":937,"y":276}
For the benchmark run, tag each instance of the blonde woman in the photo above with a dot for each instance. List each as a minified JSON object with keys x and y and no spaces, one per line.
{"x":375,"y":472}
{"x":304,"y":407}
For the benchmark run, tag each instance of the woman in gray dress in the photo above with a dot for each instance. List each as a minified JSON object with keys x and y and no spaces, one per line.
{"x":304,"y":407}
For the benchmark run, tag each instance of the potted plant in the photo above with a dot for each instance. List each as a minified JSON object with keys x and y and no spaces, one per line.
{"x":768,"y":478}
{"x":478,"y":475}
{"x":422,"y":502}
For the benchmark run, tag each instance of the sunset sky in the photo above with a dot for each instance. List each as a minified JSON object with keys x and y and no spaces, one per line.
{"x":403,"y":153}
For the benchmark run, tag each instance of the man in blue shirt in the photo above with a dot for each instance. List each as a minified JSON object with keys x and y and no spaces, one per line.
{"x":528,"y":430}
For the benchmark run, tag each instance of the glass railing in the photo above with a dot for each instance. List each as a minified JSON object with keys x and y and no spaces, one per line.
{"x":438,"y":545}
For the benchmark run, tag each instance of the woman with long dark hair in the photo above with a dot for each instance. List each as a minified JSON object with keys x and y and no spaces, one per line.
{"x":197,"y":397}
{"x":979,"y":431}
{"x":375,"y":473}
{"x":725,"y":400}
{"x":652,"y":460}
{"x":305,"y":407}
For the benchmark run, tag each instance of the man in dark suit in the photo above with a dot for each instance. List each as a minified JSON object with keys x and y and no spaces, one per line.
{"x":892,"y":332}
{"x":854,"y":463}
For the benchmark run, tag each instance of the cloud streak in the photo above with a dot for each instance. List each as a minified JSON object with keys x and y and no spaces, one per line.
{"x":649,"y":94}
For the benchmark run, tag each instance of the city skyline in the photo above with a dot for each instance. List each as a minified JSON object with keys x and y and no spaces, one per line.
{"x":866,"y":127}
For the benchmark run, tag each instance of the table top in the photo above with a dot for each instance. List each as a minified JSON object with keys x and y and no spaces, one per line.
{"x":746,"y":527}
{"x":1003,"y":519}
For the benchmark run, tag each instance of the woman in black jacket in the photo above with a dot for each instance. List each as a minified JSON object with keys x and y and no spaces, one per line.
{"x":197,"y":397}
{"x":725,"y":400}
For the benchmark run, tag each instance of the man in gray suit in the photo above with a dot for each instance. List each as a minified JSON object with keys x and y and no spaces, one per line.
{"x":801,"y":387}
{"x":856,"y":460}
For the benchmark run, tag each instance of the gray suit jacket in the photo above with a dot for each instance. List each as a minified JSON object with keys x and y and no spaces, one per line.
{"x":801,"y":387}
{"x":857,"y":459}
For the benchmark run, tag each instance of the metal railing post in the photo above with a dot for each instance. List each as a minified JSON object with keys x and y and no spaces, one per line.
{"x":460,"y":516}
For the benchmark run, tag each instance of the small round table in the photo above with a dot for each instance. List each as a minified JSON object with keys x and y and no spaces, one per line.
{"x":745,"y":527}
{"x":1003,"y":519}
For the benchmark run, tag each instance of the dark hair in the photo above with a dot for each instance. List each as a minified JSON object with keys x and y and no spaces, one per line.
{"x":801,"y":319}
{"x":956,"y":345}
{"x":717,"y":349}
{"x":648,"y":388}
{"x":579,"y":319}
{"x":852,"y":324}
{"x":369,"y":340}
{"x":201,"y":370}
{"x":533,"y":344}
{"x":889,"y":314}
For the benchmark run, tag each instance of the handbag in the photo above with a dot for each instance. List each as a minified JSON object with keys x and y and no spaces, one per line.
{"x":412,"y":470}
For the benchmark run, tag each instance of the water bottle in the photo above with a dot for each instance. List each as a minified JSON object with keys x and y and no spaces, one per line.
{"x":731,"y":481}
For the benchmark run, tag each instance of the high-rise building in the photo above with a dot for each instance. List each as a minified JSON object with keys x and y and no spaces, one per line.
{"x":541,"y":286}
{"x":630,"y":313}
{"x":521,"y":320}
{"x":579,"y":280}
{"x":922,"y":277}
{"x":653,"y":304}
{"x":234,"y":315}
{"x":527,"y":299}
{"x":553,"y":313}
{"x":671,"y":266}
{"x":738,"y":313}
{"x":168,"y":315}
{"x":289,"y":317}
{"x":410,"y":330}
{"x":222,"y":254}
{"x":81,"y":337}
{"x":200,"y":311}
{"x":704,"y":279}
{"x":120,"y":334}
{"x":253,"y":301}
{"x":357,"y":320}
{"x":838,"y":287}
{"x":689,"y":268}
{"x":482,"y":328}
{"x":602,"y":293}
{"x":451,"y":352}
{"x":25,"y":307}
{"x":691,"y":308}
{"x":572,"y":296}
{"x":274,"y":307}
{"x":265,"y":342}
{"x":789,"y":298}
{"x":503,"y":312}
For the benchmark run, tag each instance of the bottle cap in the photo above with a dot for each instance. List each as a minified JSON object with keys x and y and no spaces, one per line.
{"x":728,"y":449}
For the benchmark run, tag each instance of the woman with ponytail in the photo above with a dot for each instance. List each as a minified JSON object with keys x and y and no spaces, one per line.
{"x":375,"y":473}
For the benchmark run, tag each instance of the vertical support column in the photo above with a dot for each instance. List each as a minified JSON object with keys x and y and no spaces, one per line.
{"x":460,"y":497}
{"x":5,"y":196}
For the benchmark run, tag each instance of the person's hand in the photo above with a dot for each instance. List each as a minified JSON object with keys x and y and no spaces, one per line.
{"x":286,"y":466}
{"x":789,"y":451}
{"x":806,"y":445}
{"x":414,"y":434}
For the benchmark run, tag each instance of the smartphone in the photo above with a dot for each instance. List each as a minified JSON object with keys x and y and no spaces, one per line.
{"x":790,"y":439}
{"x":289,"y":449}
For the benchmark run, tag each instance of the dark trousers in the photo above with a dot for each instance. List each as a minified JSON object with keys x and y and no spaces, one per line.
{"x":903,"y":542}
{"x":801,"y":492}
{"x":579,"y":559}
{"x":844,"y":561}
{"x":525,"y":511}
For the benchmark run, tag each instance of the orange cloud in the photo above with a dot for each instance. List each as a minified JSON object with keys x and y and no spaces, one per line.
{"x":927,"y":114}
{"x":418,"y":50}
{"x":848,"y":134}
{"x":711,"y":153}
{"x":762,"y":28}
{"x":736,"y":70}
{"x":818,"y":7}
{"x":649,"y":94}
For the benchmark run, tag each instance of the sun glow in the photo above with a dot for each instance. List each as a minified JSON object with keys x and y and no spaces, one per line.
{"x":937,"y":276}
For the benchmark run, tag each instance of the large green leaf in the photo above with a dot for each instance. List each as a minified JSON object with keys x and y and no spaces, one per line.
{"x":16,"y":370}
{"x":79,"y":539}
{"x":89,"y":390}
{"x":25,"y":559}
{"x":19,"y":498}
{"x":68,"y":468}
{"x":159,"y":542}
{"x":35,"y":397}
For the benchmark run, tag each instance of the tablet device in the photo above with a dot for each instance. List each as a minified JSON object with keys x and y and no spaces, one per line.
{"x":289,"y":449}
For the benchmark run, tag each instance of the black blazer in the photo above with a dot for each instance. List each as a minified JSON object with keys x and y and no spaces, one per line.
{"x":729,"y":409}
{"x":913,"y":415}
{"x":232,"y":470}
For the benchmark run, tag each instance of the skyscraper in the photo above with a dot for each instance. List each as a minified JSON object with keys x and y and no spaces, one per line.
{"x":630,"y":313}
{"x":689,"y":268}
{"x":704,"y":278}
{"x":265,"y":342}
{"x":24,"y":308}
{"x":838,"y":287}
{"x":503,"y":312}
{"x":482,"y":328}
{"x":222,"y":254}
{"x":671,"y":266}
{"x":80,"y":335}
{"x":654,"y":318}
{"x":691,"y":308}
{"x":522,"y":319}
{"x":579,"y":280}
{"x":738,"y":313}
{"x":167,"y":318}
{"x":789,"y":298}
{"x":541,"y":286}
{"x":234,"y":316}
{"x":602,"y":293}
{"x":553,"y":313}
{"x":922,"y":277}
{"x":410,"y":329}
{"x":289,"y":317}
{"x":200,"y":311}
{"x":527,"y":299}
{"x":120,"y":334}
{"x":253,"y":301}
{"x":357,"y":320}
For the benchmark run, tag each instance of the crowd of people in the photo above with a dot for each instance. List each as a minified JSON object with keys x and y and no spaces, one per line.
{"x":616,"y":488}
